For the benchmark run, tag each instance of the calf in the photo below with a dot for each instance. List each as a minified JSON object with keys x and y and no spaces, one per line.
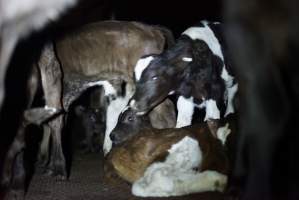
{"x":91,"y":116}
{"x":93,"y":124}
{"x":197,"y":68}
{"x":167,"y":162}
{"x":98,"y":54}
{"x":161,"y":117}
{"x":126,"y":42}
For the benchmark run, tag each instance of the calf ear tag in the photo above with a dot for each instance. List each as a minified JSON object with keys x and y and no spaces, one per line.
{"x":187,"y":59}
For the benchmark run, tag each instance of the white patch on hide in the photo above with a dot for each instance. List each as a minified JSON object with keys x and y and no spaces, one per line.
{"x":228,"y":79}
{"x":132,"y":103}
{"x":208,"y":36}
{"x":176,"y":175}
{"x":107,"y":86}
{"x":141,"y":65}
{"x":51,"y":109}
{"x":212,"y":111}
{"x":185,"y":111}
{"x":113,"y":111}
{"x":223,"y":132}
{"x":141,"y":113}
{"x":231,"y":92}
{"x":186,"y":59}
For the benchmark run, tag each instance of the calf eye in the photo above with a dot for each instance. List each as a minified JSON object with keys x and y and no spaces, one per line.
{"x":130,"y":118}
{"x":97,"y":110}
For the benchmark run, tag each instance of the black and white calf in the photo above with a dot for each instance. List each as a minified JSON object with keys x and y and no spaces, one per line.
{"x":196,"y":68}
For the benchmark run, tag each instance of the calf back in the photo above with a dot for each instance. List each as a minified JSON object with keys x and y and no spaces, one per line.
{"x":108,"y":47}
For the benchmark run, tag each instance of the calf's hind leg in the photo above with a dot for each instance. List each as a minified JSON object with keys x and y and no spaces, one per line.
{"x":51,"y":76}
{"x":13,"y":174}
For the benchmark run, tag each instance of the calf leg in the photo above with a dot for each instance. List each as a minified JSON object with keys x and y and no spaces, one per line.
{"x":57,"y":165}
{"x":13,"y":169}
{"x":18,"y":181}
{"x":231,"y":92}
{"x":51,"y":76}
{"x":212,"y":116}
{"x":185,"y":111}
{"x":43,"y":156}
{"x":16,"y":147}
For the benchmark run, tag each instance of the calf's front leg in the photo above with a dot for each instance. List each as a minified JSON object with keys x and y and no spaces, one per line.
{"x":212,"y":116}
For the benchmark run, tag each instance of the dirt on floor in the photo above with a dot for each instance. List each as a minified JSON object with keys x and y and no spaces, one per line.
{"x":86,"y":183}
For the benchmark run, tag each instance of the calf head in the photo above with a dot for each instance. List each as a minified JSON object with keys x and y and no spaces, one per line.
{"x":157,"y":76}
{"x":93,"y":119}
{"x":128,"y":125}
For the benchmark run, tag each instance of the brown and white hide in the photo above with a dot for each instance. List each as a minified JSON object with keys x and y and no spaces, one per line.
{"x":172,"y":162}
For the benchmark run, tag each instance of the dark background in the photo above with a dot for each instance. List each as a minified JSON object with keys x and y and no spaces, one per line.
{"x":176,"y":15}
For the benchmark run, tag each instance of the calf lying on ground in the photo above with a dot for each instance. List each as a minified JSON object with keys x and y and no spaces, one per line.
{"x":167,"y":162}
{"x":197,"y":68}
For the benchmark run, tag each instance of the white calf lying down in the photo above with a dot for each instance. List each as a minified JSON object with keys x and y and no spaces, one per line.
{"x":177,"y":175}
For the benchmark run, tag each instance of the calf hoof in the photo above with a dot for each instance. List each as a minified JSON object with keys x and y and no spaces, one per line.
{"x":59,"y":175}
{"x":42,"y":162}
